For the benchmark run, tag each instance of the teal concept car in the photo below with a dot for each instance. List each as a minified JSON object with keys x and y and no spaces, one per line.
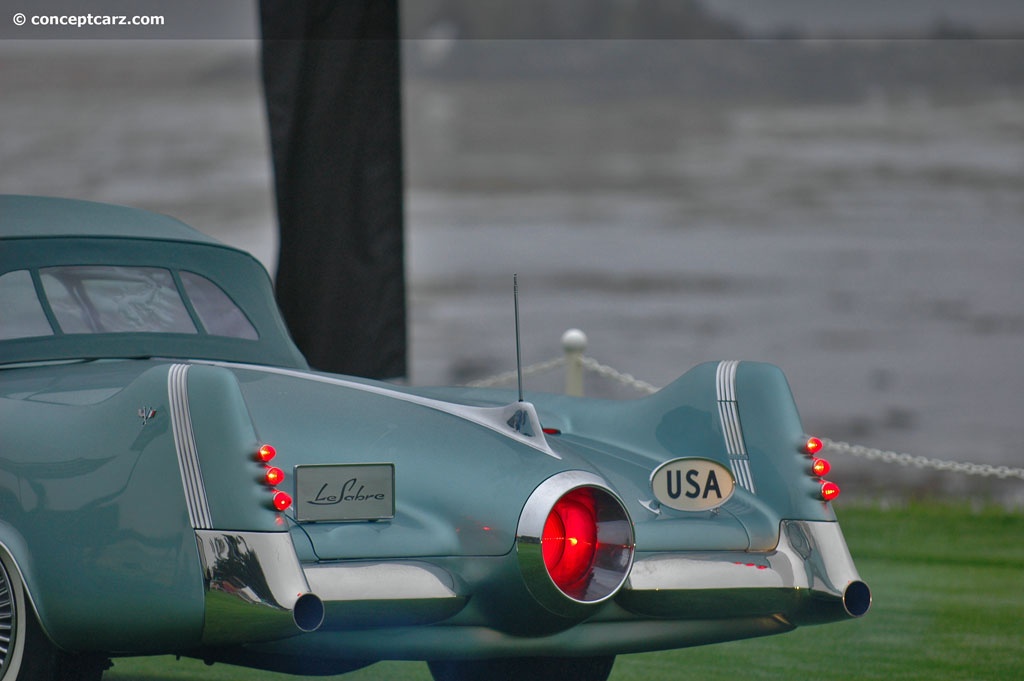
{"x":174,"y":479}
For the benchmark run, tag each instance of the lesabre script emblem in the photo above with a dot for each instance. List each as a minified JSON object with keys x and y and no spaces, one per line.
{"x":344,"y":492}
{"x":351,"y":490}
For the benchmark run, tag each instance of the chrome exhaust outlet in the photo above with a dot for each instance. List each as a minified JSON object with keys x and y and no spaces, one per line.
{"x":857,"y":599}
{"x":255,"y":588}
{"x":821,"y":562}
{"x":308,"y":613}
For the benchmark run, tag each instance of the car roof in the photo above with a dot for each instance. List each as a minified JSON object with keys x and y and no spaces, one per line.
{"x":39,"y":232}
{"x":43,"y":216}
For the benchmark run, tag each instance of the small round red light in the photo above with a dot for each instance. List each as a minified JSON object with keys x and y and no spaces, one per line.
{"x":282,"y":501}
{"x":829,"y":490}
{"x":274,"y":476}
{"x":820,"y":467}
{"x":266,"y":453}
{"x":814,"y":445}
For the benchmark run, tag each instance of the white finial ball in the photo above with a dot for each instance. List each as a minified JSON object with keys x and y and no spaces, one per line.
{"x":574,"y":340}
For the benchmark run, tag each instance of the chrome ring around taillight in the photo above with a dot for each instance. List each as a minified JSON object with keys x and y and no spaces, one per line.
{"x":609,"y":541}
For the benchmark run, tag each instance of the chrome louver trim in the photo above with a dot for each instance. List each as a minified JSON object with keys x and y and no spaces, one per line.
{"x":185,"y":446}
{"x":732,"y":431}
{"x":741,"y":470}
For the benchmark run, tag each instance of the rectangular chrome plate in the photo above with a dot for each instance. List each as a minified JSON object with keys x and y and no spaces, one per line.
{"x":345,"y":492}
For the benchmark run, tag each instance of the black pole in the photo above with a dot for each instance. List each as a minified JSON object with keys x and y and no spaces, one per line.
{"x":332,"y":81}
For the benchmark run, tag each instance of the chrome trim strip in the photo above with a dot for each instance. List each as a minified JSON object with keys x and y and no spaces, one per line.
{"x":733,"y":433}
{"x":741,"y":471}
{"x":725,"y":380}
{"x":185,"y":446}
{"x":732,"y":429}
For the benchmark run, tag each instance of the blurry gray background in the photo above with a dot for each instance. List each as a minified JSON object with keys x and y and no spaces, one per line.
{"x":851,"y":210}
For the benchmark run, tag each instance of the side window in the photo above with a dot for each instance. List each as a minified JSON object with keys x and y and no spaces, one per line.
{"x":21,"y":315}
{"x":102,"y":299}
{"x":217,"y":312}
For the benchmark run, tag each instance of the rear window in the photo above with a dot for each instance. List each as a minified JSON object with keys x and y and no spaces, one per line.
{"x":21,"y":315}
{"x":98,"y":299}
{"x":115,"y":300}
{"x":217,"y":313}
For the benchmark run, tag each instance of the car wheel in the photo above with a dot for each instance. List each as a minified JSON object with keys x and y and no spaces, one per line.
{"x":26,"y":654}
{"x":519,"y":668}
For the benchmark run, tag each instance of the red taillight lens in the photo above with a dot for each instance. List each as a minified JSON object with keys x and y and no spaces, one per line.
{"x":813,"y":446}
{"x":574,"y":542}
{"x":282,"y":501}
{"x":274,"y":476}
{"x":265,"y":453}
{"x":569,"y":541}
{"x":829,"y":490}
{"x":820,"y":467}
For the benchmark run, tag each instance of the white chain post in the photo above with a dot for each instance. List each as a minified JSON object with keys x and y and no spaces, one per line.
{"x":574,"y":344}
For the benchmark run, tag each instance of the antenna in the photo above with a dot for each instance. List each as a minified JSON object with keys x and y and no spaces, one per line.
{"x":519,"y":353}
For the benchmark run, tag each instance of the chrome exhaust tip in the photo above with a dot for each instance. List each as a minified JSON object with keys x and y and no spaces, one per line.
{"x":857,"y":598}
{"x":308,"y":612}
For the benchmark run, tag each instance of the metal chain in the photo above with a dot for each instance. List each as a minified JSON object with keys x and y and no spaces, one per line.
{"x":626,"y":379}
{"x":509,"y":376}
{"x":982,"y":469}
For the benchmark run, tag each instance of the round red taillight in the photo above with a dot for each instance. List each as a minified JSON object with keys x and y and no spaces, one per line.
{"x":282,"y":501}
{"x":574,"y":543}
{"x":820,"y":467}
{"x":274,"y":476}
{"x":265,"y":453}
{"x":829,"y":490}
{"x":569,"y":540}
{"x":814,"y":445}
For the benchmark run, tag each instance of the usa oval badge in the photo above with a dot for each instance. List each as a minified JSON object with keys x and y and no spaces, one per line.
{"x":692,"y":484}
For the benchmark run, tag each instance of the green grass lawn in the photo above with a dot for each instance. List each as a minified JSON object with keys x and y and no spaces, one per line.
{"x":948,"y":584}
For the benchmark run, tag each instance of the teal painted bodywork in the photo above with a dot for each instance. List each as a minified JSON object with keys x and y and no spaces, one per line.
{"x":434,"y":453}
{"x":94,"y":498}
{"x":137,"y":515}
{"x":626,"y":440}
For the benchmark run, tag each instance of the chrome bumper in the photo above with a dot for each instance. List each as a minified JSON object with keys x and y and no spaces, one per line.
{"x":372,"y":594}
{"x":809,"y":578}
{"x":257,"y":590}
